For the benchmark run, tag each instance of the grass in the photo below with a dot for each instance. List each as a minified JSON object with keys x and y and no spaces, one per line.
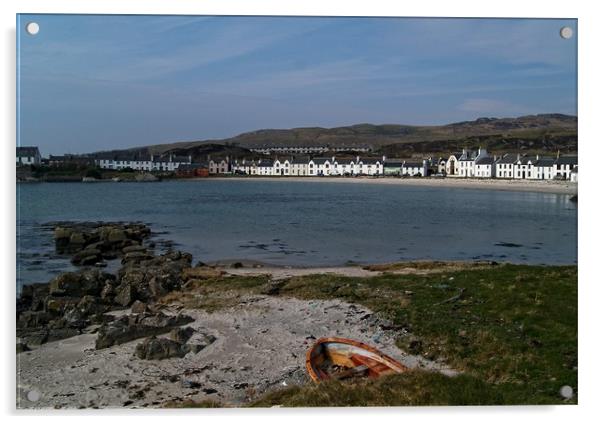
{"x":414,"y":388}
{"x":511,"y":330}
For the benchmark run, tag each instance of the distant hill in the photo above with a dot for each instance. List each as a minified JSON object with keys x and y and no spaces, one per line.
{"x":531,"y":133}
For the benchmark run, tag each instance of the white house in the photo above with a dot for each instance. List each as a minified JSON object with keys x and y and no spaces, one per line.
{"x":282,"y":167}
{"x":574,"y":174}
{"x":467,"y":162}
{"x":320,"y":166}
{"x":299,"y":166}
{"x":452,"y":166}
{"x":370,"y":166}
{"x":414,"y":169}
{"x":504,"y":167}
{"x":564,"y":166}
{"x":265,"y":167}
{"x":523,"y":167}
{"x":543,"y":168}
{"x":28,"y":156}
{"x":141,"y":162}
{"x":343,"y":167}
{"x":219,"y":166}
{"x":484,"y":167}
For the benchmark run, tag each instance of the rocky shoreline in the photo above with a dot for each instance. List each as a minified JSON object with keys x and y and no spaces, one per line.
{"x":92,"y":339}
{"x":73,"y":301}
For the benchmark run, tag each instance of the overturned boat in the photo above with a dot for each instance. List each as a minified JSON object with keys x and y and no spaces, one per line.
{"x":339,"y":358}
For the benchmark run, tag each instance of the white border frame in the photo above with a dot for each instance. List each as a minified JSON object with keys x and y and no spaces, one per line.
{"x":589,"y":228}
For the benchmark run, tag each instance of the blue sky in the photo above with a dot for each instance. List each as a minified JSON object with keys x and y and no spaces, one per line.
{"x":91,"y":83}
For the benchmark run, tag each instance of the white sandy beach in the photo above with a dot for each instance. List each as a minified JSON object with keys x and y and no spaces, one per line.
{"x":539,"y":186}
{"x":260,"y":346}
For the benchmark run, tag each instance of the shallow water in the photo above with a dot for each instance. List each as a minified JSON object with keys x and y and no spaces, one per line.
{"x":306,"y":223}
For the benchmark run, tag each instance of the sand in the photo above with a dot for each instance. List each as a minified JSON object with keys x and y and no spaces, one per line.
{"x":261,"y":344}
{"x":539,"y":186}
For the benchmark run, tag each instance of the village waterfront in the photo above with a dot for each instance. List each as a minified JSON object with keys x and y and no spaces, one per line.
{"x":306,"y":224}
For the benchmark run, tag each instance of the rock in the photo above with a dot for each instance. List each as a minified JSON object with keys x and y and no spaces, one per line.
{"x":87,"y":255}
{"x":273,"y":288}
{"x":35,"y":337}
{"x":237,"y":265}
{"x":32,"y":319}
{"x":116,"y":234}
{"x":22,"y":347}
{"x":157,"y":349}
{"x":66,"y":283}
{"x":201,"y":342}
{"x":131,"y":327}
{"x":157,"y":287}
{"x":90,"y":305}
{"x":203,"y":272}
{"x":58,"y":305}
{"x":77,"y":238}
{"x":62,"y":233}
{"x":91,"y":260}
{"x":61,"y":333}
{"x":139,"y":307}
{"x":108,"y":293}
{"x":109,"y":255}
{"x":79,"y":283}
{"x":125,"y":294}
{"x":181,"y":335}
{"x":133,"y":248}
{"x":415,"y":346}
{"x":190,"y":384}
{"x":135,"y":256}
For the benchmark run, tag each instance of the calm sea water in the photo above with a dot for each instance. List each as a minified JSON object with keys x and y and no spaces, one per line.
{"x":306,"y":223}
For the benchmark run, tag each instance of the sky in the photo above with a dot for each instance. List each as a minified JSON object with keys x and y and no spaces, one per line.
{"x":91,"y":82}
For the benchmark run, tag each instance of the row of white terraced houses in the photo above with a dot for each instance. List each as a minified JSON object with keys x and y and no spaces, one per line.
{"x":467,"y":164}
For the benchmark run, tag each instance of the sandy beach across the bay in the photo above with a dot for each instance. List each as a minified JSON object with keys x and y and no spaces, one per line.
{"x":539,"y":186}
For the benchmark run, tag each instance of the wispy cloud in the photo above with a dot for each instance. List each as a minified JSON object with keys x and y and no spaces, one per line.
{"x":129,"y":80}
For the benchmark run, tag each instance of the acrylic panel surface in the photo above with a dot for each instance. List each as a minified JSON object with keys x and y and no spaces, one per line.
{"x":201,"y":198}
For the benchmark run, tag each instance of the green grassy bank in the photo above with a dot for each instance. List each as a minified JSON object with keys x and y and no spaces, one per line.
{"x":511,"y":331}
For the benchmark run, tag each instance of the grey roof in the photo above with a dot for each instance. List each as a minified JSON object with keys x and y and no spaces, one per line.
{"x":184,"y":159}
{"x":413,"y":165}
{"x":545,"y":161}
{"x":468,"y":156}
{"x":370,"y":161}
{"x":457,"y":155}
{"x":488,"y":160}
{"x":508,"y":158}
{"x":393,"y":163}
{"x":567,"y":160}
{"x":27,"y":151}
{"x":345,"y":161}
{"x":526,"y":159}
{"x":301,"y":160}
{"x":321,"y":161}
{"x":263,"y":163}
